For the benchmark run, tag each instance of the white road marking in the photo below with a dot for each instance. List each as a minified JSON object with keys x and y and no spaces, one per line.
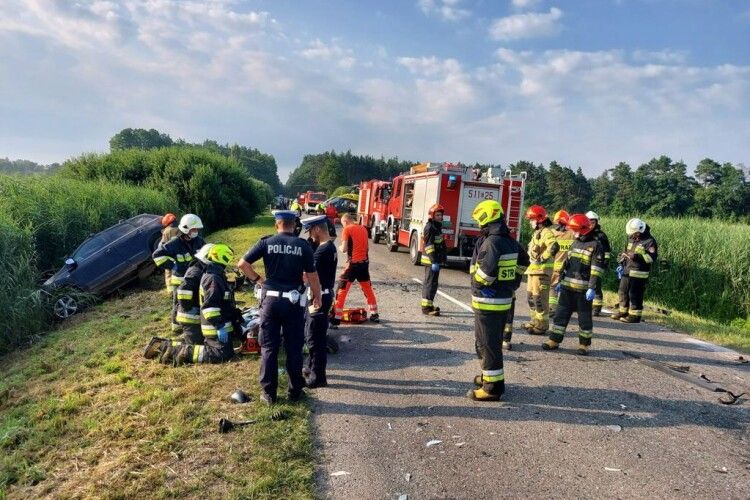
{"x":446,"y":296}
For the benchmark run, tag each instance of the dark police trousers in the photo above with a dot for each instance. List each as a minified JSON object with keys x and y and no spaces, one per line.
{"x":488,"y":330}
{"x":316,"y":333}
{"x":631,"y":294}
{"x":429,"y":286}
{"x":570,"y":302}
{"x":281,"y":320}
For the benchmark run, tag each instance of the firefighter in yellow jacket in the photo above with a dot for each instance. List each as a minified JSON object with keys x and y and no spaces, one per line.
{"x":564,"y":238}
{"x":542,"y":250}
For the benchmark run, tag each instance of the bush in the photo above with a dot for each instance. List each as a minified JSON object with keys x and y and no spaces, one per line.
{"x":342,"y":190}
{"x":702,"y":265}
{"x":43,"y":219}
{"x":208,"y":184}
{"x":20,"y":298}
{"x":60,"y":213}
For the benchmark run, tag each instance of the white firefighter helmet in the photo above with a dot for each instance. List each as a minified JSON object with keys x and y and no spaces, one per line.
{"x":592,"y":215}
{"x":202,"y":254}
{"x":190,"y":222}
{"x":635,"y":225}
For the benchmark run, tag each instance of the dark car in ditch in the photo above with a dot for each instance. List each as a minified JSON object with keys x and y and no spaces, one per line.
{"x":105,"y":262}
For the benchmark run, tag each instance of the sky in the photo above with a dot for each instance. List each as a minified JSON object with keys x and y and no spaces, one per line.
{"x":588,"y":83}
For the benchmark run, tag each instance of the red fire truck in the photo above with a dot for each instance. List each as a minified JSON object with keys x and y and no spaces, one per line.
{"x":310,"y":200}
{"x":372,"y":209}
{"x":458,"y":189}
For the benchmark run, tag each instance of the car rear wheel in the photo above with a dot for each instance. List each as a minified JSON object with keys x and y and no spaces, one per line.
{"x":414,"y":252}
{"x":65,"y":307}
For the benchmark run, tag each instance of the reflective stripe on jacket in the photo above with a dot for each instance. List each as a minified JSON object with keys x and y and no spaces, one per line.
{"x":177,"y":254}
{"x":434,"y":250}
{"x":496,"y":264}
{"x":542,"y":249}
{"x":584,"y":266}
{"x":217,"y":301}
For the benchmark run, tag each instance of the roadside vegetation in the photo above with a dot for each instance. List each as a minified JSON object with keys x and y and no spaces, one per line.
{"x":43,"y":219}
{"x":83,"y":414}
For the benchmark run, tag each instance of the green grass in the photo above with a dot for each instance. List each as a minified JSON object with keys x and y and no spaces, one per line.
{"x":83,"y":414}
{"x":702,"y":266}
{"x":735,"y":336}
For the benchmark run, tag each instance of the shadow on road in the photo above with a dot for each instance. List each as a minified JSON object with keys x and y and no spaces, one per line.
{"x":554,"y":403}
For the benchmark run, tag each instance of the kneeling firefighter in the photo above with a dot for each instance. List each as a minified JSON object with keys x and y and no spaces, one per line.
{"x":494,"y":267}
{"x":188,"y":310}
{"x":434,"y":255}
{"x":217,"y":313}
{"x":581,"y":272}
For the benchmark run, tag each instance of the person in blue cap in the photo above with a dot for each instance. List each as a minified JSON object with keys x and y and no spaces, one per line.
{"x":316,"y":329}
{"x":288,"y":260}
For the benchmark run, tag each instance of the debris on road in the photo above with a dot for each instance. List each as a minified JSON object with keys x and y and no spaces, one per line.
{"x":610,"y":469}
{"x":403,"y":497}
{"x":721,"y":470}
{"x":407,"y":477}
{"x":434,"y":442}
{"x":340,"y":473}
{"x":614,"y":428}
{"x":460,"y":445}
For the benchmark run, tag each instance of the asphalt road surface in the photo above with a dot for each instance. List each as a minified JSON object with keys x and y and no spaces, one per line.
{"x":395,"y":420}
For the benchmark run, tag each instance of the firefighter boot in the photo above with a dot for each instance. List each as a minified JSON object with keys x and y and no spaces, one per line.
{"x":507,"y":346}
{"x":550,"y":345}
{"x":596,"y":311}
{"x":583,"y":350}
{"x":183,"y":354}
{"x":619,"y":314}
{"x":153,"y":348}
{"x":375,"y":318}
{"x":481,"y":395}
{"x":168,"y":350}
{"x":630,"y":318}
{"x":431,"y":311}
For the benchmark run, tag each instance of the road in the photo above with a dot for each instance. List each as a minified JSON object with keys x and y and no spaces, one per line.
{"x":603,"y":426}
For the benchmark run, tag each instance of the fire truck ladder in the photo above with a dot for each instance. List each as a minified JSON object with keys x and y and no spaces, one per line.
{"x":515,"y":203}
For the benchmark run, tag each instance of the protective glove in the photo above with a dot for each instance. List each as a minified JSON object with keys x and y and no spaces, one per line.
{"x":620,"y":270}
{"x":590,"y":293}
{"x":435,"y":267}
{"x":558,"y":288}
{"x":223,"y":335}
{"x":487,"y":292}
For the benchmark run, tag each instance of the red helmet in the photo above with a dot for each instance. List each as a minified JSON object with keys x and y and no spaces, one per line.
{"x":435,"y":208}
{"x":579,"y":223}
{"x":536,"y":212}
{"x":168,"y":219}
{"x":561,"y":217}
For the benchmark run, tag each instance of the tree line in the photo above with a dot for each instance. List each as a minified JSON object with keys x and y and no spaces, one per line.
{"x":661,"y":187}
{"x":259,"y":165}
{"x":8,"y":166}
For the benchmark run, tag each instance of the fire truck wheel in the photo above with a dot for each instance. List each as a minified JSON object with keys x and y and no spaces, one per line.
{"x":391,"y":239}
{"x":374,"y":233}
{"x":414,"y":252}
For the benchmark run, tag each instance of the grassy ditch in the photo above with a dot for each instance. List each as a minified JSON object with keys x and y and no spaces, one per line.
{"x":82,"y":414}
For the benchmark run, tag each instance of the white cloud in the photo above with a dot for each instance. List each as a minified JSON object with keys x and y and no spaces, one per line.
{"x":528,"y":25}
{"x":525,"y":4}
{"x":319,"y":50}
{"x":447,"y":10}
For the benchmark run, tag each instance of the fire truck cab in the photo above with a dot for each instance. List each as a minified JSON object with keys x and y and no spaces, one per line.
{"x":458,"y":189}
{"x":372,"y":210}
